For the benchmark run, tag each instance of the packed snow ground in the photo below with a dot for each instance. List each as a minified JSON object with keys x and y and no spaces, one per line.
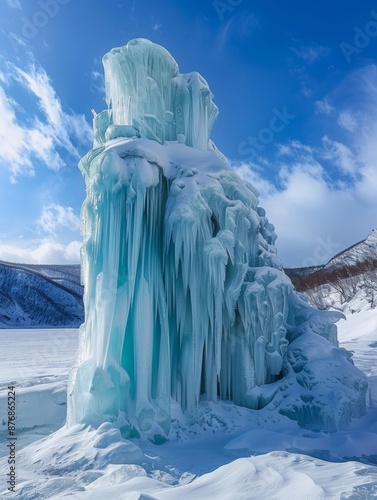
{"x":229,"y":452}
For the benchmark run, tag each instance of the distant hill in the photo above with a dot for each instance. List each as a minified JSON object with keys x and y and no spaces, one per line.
{"x":350,"y":273}
{"x":40,"y":296}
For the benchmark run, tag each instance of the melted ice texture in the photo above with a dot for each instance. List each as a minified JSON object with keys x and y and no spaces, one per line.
{"x":184,"y":295}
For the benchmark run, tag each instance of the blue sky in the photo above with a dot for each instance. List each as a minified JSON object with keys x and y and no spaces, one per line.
{"x":295,"y":82}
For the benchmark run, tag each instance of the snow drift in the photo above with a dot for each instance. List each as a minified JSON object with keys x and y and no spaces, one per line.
{"x":185,"y":297}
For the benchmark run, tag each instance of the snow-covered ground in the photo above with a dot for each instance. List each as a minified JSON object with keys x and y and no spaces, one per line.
{"x":358,"y":334}
{"x":230,"y":452}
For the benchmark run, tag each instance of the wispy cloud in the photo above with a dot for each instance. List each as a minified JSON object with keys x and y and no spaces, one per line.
{"x":16,"y":150}
{"x":323,"y":107}
{"x":347,"y":121}
{"x":52,"y":129}
{"x":156,"y":25}
{"x":340,"y":156}
{"x":63,"y":124}
{"x":238,"y":26}
{"x":98,"y":83}
{"x":14,"y":4}
{"x":54,"y":217}
{"x":297,"y":149}
{"x":311,"y":53}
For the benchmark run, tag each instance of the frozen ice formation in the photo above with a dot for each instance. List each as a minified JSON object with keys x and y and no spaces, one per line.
{"x":185,"y":297}
{"x":147,"y":95}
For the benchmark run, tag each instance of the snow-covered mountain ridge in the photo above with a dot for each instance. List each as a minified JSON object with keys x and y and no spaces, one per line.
{"x":359,"y":252}
{"x":45,"y":296}
{"x":349,"y":276}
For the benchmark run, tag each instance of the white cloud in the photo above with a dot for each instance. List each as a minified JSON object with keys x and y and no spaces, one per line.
{"x":60,"y":123}
{"x":47,"y":251}
{"x":57,"y":216}
{"x":251,"y":173}
{"x":347,"y":121}
{"x":15,"y":149}
{"x":54,"y":129}
{"x":296,"y":148}
{"x":21,"y":145}
{"x":313,"y":220}
{"x":316,"y":216}
{"x":323,"y":199}
{"x":341,"y":156}
{"x":323,"y":107}
{"x":14,"y":4}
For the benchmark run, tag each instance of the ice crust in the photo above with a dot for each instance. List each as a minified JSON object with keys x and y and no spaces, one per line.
{"x":185,"y":297}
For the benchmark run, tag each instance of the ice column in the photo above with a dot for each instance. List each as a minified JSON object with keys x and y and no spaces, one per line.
{"x":145,"y":90}
{"x":184,"y":295}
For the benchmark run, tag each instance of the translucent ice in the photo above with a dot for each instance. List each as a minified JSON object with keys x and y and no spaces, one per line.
{"x":184,"y":295}
{"x":145,"y":89}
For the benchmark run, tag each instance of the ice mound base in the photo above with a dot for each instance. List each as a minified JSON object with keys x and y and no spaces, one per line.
{"x":185,"y":297}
